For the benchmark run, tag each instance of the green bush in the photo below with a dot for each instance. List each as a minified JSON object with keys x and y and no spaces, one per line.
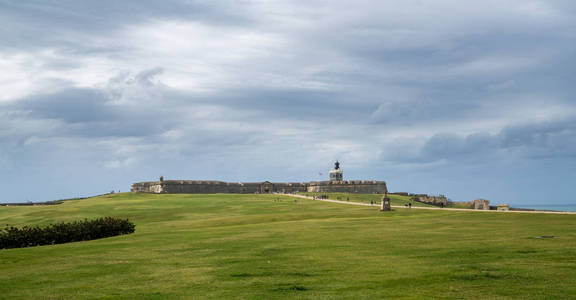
{"x":59,"y":233}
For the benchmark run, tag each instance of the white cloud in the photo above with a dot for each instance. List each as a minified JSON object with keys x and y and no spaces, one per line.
{"x":119,"y":163}
{"x":16,"y":77}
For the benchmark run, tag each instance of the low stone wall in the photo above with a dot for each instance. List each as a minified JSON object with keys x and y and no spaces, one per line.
{"x":400,"y":193}
{"x":481,"y":204}
{"x":435,"y":200}
{"x":469,"y":204}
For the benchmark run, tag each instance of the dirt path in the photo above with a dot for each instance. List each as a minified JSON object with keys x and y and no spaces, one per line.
{"x":437,"y":208}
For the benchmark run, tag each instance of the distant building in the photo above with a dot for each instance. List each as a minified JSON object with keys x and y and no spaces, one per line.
{"x":481,"y":204}
{"x":336,"y":184}
{"x":336,"y":174}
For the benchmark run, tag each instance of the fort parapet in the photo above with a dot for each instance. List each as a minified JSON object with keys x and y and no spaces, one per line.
{"x":348,"y":186}
{"x":266,"y":187}
{"x":210,"y":187}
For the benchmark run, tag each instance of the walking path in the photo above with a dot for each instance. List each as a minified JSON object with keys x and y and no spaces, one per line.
{"x":436,"y":208}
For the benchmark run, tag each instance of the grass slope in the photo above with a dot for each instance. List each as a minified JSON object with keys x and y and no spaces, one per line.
{"x":366,"y":198}
{"x":249,"y":246}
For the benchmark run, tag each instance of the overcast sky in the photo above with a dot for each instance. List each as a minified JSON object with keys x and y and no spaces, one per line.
{"x":472,"y":99}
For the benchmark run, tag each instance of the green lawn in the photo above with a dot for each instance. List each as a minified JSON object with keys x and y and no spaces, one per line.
{"x":253,"y":247}
{"x":367,"y":198}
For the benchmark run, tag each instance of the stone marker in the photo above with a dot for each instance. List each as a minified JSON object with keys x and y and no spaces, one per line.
{"x":385,"y":205}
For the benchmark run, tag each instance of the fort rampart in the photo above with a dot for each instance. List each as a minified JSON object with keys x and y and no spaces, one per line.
{"x":348,"y":186}
{"x":211,"y":187}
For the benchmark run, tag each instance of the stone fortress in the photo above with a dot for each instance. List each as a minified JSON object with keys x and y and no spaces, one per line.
{"x":336,"y":184}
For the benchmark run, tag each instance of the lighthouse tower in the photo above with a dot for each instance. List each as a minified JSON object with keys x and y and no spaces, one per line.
{"x":336,"y":173}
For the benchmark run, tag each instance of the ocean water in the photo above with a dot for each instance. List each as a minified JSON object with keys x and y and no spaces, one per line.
{"x":558,"y":207}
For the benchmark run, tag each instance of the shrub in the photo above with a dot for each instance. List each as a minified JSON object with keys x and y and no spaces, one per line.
{"x":59,"y":233}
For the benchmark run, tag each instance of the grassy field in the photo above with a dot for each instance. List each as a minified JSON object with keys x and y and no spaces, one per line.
{"x":367,"y":198}
{"x":254,"y":247}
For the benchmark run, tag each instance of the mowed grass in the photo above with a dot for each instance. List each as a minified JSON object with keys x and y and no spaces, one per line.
{"x":254,"y":247}
{"x":395,"y":200}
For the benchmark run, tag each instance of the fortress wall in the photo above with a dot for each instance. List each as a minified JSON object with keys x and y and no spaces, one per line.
{"x":192,"y":187}
{"x":209,"y":187}
{"x":335,"y":185}
{"x":146,"y":187}
{"x":195,"y":187}
{"x":293,"y":187}
{"x":244,"y":187}
{"x":377,"y":188}
{"x":212,"y":187}
{"x":348,"y":186}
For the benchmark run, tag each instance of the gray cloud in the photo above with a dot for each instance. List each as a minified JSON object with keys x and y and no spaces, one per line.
{"x":554,"y":139}
{"x":130,"y":89}
{"x":72,"y":106}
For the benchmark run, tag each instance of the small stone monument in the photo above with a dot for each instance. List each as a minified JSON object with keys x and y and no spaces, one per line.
{"x":385,"y":205}
{"x":503,"y":207}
